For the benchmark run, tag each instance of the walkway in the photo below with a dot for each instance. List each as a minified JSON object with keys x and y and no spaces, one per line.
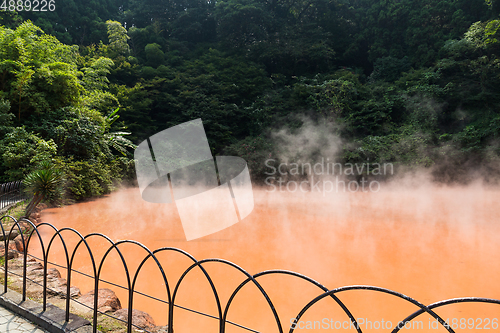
{"x":11,"y":323}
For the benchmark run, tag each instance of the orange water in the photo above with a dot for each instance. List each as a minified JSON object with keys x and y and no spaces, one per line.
{"x":430,"y":243}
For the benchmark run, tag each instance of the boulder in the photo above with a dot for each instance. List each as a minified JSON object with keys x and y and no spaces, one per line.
{"x":73,"y":292}
{"x":19,"y":243}
{"x":35,"y":265}
{"x":58,"y":287}
{"x":53,"y":273}
{"x":139,"y":318}
{"x":107,"y":300}
{"x":8,"y":234}
{"x":12,"y":253}
{"x":35,"y":268}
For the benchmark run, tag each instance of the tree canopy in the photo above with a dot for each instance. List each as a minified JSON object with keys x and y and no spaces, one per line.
{"x":413,"y":82}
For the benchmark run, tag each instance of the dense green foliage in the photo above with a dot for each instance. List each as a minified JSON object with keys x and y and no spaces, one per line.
{"x":46,"y":183}
{"x":412,"y":82}
{"x":53,"y":103}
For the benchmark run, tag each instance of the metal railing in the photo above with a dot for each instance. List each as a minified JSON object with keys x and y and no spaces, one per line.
{"x":171,"y":293}
{"x":11,"y":193}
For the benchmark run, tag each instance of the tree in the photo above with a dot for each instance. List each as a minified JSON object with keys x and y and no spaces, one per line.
{"x":44,"y":183}
{"x":59,"y":97}
{"x":22,"y":151}
{"x":389,"y":69}
{"x":10,"y":19}
{"x":117,"y":139}
{"x":37,"y":72}
{"x":6,"y":118}
{"x":484,"y":35}
{"x":494,"y":6}
{"x":77,"y":21}
{"x":117,"y":36}
{"x":242,"y":22}
{"x":154,"y":54}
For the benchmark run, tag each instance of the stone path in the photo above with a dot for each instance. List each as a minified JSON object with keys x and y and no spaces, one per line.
{"x":11,"y":323}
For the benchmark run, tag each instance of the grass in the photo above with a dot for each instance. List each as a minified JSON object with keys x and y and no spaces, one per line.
{"x":2,"y":279}
{"x":108,"y":325}
{"x":17,"y":210}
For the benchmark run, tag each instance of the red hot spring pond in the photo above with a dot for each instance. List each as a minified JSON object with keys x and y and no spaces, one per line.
{"x":430,"y":243}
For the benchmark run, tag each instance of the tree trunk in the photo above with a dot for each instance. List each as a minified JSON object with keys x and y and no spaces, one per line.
{"x":32,"y":205}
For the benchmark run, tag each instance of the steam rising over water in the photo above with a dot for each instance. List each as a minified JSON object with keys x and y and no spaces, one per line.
{"x":428,"y":242}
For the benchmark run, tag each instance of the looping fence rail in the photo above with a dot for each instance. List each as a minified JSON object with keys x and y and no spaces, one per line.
{"x":171,"y":293}
{"x":10,"y":193}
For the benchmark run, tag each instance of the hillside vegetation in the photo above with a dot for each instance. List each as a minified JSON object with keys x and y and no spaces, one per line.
{"x":410,"y":82}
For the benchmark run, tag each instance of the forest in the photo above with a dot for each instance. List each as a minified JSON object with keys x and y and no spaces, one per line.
{"x":412,"y":82}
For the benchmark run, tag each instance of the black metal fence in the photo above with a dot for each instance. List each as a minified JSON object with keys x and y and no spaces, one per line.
{"x":11,"y":193}
{"x":171,"y":290}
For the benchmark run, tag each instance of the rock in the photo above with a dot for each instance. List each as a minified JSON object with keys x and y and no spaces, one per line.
{"x":160,"y":329}
{"x":34,"y":266}
{"x":36,"y":274}
{"x":12,"y":254}
{"x":62,"y":282}
{"x":35,"y":269}
{"x":8,"y":234}
{"x":139,"y":318}
{"x":18,"y":242}
{"x":107,"y":300}
{"x":55,"y":288}
{"x":53,"y":273}
{"x":58,"y":287}
{"x":73,"y":292}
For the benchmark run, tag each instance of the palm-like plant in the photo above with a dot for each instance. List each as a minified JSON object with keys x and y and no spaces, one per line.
{"x":117,"y":140}
{"x":44,"y":183}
